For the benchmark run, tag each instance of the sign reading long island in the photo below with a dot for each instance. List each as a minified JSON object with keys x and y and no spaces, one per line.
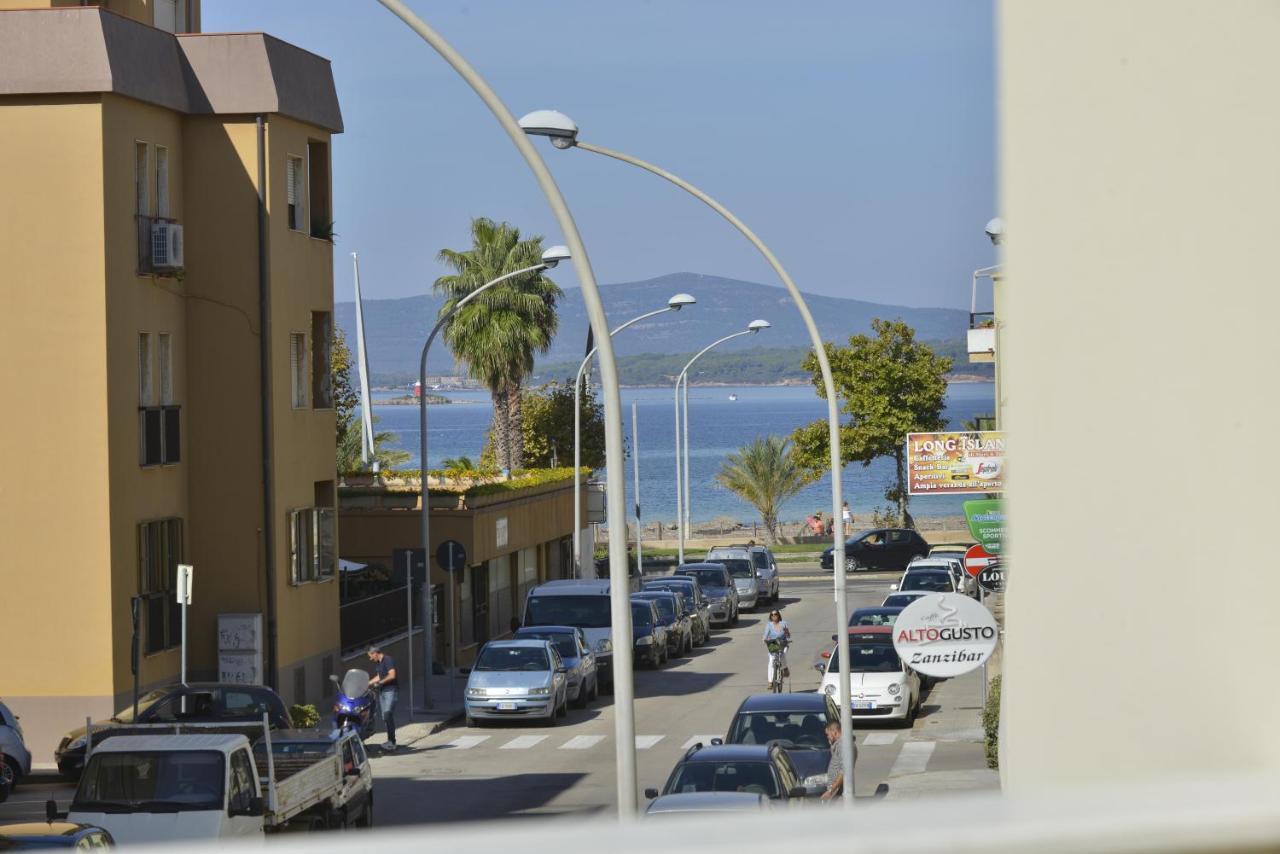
{"x":969,"y":462}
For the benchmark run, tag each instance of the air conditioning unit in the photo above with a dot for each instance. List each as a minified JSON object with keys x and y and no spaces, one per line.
{"x":166,"y":244}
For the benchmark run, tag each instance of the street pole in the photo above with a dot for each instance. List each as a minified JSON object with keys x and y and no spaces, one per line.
{"x":135,"y":649}
{"x":615,"y":461}
{"x":408,"y":607}
{"x":635,"y":459}
{"x":549,"y":259}
{"x":679,"y":490}
{"x":688,"y":496}
{"x":676,"y":303}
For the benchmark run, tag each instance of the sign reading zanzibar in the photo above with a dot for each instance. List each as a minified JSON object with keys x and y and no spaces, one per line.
{"x":955,"y":462}
{"x":945,"y":635}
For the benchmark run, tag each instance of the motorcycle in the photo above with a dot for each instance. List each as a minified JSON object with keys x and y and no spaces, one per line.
{"x":355,"y":707}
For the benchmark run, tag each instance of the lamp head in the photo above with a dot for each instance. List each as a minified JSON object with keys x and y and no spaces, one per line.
{"x":679,"y":301}
{"x":555,"y":255}
{"x":995,"y":231}
{"x":562,"y":130}
{"x":757,"y":325}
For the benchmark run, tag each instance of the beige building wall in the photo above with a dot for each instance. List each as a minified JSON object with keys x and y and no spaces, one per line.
{"x":138,"y":10}
{"x":1140,"y":183}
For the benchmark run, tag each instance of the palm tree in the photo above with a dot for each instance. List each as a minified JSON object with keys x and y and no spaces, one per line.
{"x":349,"y":449}
{"x":764,"y":474}
{"x":497,"y":334}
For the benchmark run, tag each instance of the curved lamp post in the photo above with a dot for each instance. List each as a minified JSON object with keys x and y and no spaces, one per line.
{"x":550,"y":258}
{"x":676,"y":303}
{"x":615,"y":459}
{"x":563,"y":132}
{"x":682,"y":507}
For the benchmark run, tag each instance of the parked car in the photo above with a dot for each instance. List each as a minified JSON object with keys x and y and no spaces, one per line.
{"x":882,"y":548}
{"x":695,"y":602}
{"x":581,"y":604}
{"x":766,"y":569}
{"x":964,"y":582}
{"x":930,"y":579}
{"x":950,"y":549}
{"x":881,"y":616}
{"x":766,"y":572}
{"x":881,"y":686}
{"x":13,"y":747}
{"x":692,"y":803}
{"x":761,"y":769}
{"x":716,"y":582}
{"x":197,"y":702}
{"x":671,"y":610}
{"x":648,"y":632}
{"x":517,"y":679}
{"x":579,"y":661}
{"x":796,"y":723}
{"x":42,"y":836}
{"x":743,"y":572}
{"x":901,"y":599}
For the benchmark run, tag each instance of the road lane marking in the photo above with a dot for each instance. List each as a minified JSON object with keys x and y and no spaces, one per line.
{"x":644,"y":742}
{"x":466,"y":742}
{"x":523,"y":742}
{"x":582,"y":742}
{"x":913,"y":758}
{"x":705,"y":739}
{"x":879,"y":739}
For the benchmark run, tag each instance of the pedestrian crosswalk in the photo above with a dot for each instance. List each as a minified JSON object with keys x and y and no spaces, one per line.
{"x":914,"y":753}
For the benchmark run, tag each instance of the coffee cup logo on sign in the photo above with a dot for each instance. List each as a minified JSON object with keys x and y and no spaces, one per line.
{"x":944,"y":635}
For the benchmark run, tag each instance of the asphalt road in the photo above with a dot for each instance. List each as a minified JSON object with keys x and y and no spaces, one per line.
{"x":505,"y":769}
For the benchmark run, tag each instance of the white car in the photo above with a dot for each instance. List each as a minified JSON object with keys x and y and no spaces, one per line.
{"x":926,"y":579}
{"x":964,"y":582}
{"x":881,"y":686}
{"x":901,"y":599}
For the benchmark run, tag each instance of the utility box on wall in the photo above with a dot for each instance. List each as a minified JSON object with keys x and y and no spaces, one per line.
{"x":240,"y":649}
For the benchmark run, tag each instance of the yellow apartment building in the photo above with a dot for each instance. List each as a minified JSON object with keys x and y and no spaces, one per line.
{"x":166,"y":298}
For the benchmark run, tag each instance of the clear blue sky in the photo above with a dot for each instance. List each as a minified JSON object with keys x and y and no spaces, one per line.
{"x":856,"y":138}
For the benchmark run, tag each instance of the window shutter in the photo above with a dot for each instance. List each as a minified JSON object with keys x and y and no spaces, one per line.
{"x":291,"y":179}
{"x":294,"y":516}
{"x":162,"y":182}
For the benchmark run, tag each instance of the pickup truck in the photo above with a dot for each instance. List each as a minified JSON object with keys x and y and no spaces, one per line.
{"x":154,"y":788}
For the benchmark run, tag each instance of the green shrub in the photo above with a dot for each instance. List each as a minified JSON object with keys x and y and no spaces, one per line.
{"x":991,"y":723}
{"x":304,"y":716}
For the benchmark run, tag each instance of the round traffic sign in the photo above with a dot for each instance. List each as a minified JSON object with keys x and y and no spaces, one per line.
{"x":944,"y":635}
{"x":976,"y":559}
{"x":992,"y":577}
{"x":451,"y":556}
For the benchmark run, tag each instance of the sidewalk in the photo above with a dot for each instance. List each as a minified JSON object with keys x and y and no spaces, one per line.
{"x":421,"y":722}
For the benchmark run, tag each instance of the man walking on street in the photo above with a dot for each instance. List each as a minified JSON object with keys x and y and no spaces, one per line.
{"x":835,"y":767}
{"x":386,"y":678}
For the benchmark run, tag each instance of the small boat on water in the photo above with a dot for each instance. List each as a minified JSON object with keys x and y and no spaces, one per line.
{"x":733,"y":397}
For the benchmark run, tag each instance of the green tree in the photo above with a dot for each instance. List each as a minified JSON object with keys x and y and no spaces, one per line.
{"x":548,"y":426}
{"x":889,"y":385}
{"x":349,"y":450}
{"x":498,"y":334}
{"x":344,"y":396}
{"x":765,"y":473}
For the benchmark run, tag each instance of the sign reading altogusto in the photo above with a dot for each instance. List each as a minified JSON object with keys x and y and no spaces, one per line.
{"x":944,"y":635}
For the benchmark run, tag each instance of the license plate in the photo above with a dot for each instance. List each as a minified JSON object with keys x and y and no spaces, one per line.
{"x":506,"y":707}
{"x":867,"y":704}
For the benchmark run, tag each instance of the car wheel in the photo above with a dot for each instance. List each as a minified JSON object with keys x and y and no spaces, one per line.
{"x":580,"y":701}
{"x":910,"y":719}
{"x":595,"y":689}
{"x":366,"y":815}
{"x":851,"y":564}
{"x":564,"y":705}
{"x":472,"y":723}
{"x":10,"y":772}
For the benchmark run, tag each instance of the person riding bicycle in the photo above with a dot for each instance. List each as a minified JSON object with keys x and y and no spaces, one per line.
{"x":777,"y":634}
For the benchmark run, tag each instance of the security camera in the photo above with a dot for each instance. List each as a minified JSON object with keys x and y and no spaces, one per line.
{"x":995,"y":231}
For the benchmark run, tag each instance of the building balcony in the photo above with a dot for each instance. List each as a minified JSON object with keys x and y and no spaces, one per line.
{"x":982,"y":336}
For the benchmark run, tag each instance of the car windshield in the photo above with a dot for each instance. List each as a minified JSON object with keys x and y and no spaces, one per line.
{"x":706,"y":577}
{"x":761,"y":560}
{"x":145,"y":702}
{"x":738,"y":568}
{"x":756,"y":777}
{"x":524,"y":658}
{"x":666,"y":609}
{"x":584,"y":612}
{"x":868,"y":658}
{"x":803,"y":729}
{"x":900,"y":600}
{"x":878,"y":617}
{"x":685,"y":587}
{"x":564,"y":644}
{"x":641,"y":615}
{"x":934,"y":582}
{"x":142,"y":780}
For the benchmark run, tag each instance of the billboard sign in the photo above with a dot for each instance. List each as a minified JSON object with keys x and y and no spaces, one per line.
{"x":986,"y":522}
{"x":945,"y":635}
{"x":955,"y":463}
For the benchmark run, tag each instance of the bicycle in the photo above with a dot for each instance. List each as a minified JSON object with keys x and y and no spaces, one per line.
{"x":778,"y":669}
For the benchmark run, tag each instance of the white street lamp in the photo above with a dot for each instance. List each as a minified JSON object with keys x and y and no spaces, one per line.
{"x":682,"y":508}
{"x":620,"y":596}
{"x":676,"y":303}
{"x":563,"y":132}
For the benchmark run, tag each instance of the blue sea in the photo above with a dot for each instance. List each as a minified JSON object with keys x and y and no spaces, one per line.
{"x":718,"y":426}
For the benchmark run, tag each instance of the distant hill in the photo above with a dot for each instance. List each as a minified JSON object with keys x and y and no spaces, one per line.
{"x":397,"y":328}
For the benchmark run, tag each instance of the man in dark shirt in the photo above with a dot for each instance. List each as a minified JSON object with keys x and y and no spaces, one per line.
{"x":386,"y":678}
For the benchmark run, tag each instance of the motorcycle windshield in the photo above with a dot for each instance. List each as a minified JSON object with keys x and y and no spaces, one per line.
{"x":355,"y":683}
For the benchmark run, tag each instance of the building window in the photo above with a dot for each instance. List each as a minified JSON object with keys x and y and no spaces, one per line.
{"x":142,"y":197}
{"x":164,"y":356}
{"x":298,"y":369}
{"x":318,"y":190}
{"x":145,"y":387}
{"x":162,"y":182}
{"x":160,"y":429}
{"x":312,"y":544}
{"x":321,"y":369}
{"x":293,"y":175}
{"x":159,"y":553}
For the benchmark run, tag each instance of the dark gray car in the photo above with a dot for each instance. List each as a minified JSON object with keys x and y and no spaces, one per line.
{"x":716,"y":582}
{"x":695,"y":603}
{"x":671,"y":610}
